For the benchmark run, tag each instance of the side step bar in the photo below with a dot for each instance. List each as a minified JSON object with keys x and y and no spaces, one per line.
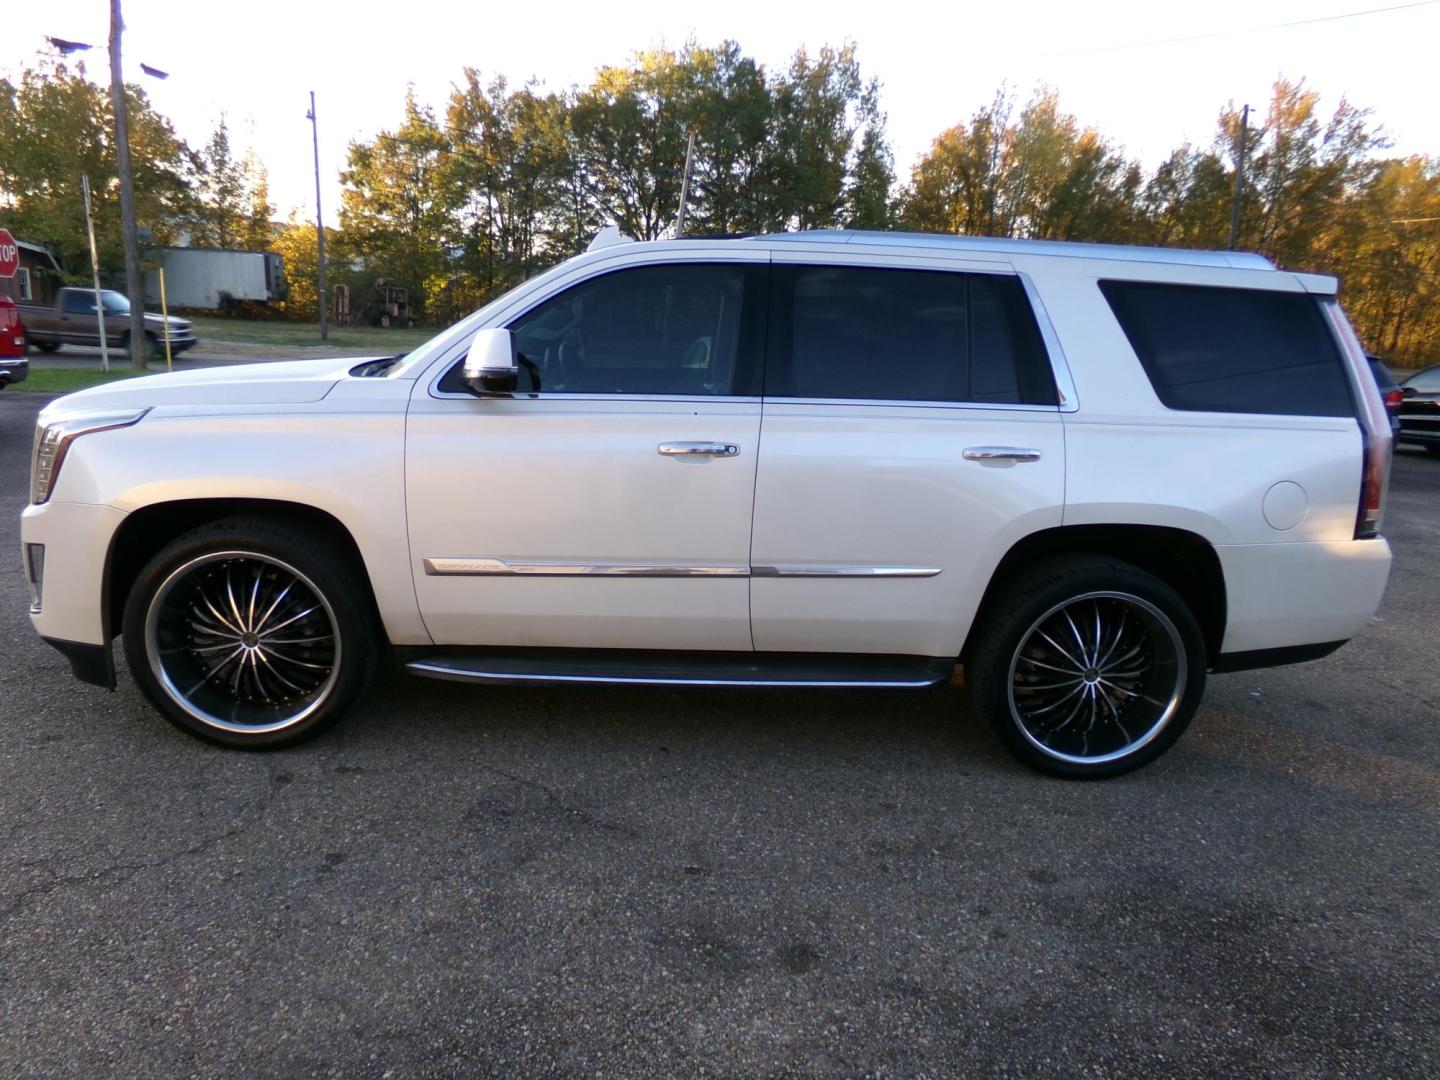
{"x":541,"y":668}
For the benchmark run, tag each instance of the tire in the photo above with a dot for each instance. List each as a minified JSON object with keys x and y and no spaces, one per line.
{"x":1038,"y":674}
{"x":213,"y":600}
{"x":47,"y":346}
{"x":153,"y":349}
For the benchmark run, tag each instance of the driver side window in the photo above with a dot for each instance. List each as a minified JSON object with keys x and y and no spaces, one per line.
{"x":671,"y":329}
{"x":80,"y":303}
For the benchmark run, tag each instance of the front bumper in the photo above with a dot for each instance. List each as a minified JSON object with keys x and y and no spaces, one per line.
{"x":76,"y":538}
{"x":13,"y":369}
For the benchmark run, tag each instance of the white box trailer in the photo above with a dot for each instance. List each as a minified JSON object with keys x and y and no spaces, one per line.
{"x":205,"y":277}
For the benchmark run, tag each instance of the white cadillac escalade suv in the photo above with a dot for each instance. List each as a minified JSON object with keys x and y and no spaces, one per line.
{"x":1089,"y":474}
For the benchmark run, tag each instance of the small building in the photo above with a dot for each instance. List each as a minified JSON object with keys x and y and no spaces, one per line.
{"x":38,"y":278}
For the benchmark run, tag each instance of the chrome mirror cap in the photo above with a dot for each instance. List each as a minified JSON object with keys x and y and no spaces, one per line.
{"x":490,"y":369}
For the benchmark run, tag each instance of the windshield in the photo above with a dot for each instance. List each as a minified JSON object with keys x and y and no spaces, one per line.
{"x":115,"y":303}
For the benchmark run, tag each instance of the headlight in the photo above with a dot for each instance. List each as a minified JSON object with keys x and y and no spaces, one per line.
{"x":53,"y":439}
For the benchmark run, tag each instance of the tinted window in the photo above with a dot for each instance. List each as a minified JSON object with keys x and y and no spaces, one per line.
{"x":80,"y":303}
{"x":1426,"y":382}
{"x":906,"y":335}
{"x":650,"y":330}
{"x":1233,"y":350}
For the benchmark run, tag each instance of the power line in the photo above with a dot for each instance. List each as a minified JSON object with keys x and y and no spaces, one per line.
{"x":1211,"y":36}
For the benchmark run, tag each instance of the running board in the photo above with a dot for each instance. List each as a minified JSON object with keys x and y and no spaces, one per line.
{"x":684,"y":669}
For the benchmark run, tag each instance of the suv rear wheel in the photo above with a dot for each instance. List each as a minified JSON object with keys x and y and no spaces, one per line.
{"x":1089,"y":668}
{"x":250,"y":633}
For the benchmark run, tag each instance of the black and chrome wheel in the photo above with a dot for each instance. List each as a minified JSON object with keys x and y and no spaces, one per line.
{"x":249,"y":633}
{"x":1091,"y":668}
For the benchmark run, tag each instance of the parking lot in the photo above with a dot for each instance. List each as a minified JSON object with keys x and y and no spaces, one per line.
{"x":553,"y":882}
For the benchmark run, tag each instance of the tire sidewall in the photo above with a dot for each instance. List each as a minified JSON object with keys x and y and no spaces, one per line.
{"x":307,"y":553}
{"x":1025,"y":599}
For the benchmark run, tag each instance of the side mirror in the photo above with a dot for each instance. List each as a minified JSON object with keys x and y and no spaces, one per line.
{"x":490,"y":369}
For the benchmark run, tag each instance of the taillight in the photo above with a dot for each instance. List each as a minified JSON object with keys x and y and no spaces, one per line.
{"x":1374,"y":468}
{"x":8,"y":317}
{"x":1394,"y":399}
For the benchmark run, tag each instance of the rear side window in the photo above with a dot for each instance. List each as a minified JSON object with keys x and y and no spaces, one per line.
{"x":905,"y":335}
{"x":1209,"y":349}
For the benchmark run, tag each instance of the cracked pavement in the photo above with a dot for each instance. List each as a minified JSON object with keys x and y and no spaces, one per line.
{"x":549,"y":882}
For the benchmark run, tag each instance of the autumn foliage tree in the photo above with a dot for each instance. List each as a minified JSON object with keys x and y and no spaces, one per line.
{"x":1319,"y":197}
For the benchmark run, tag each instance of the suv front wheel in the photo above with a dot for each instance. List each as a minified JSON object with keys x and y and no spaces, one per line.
{"x":250,"y":633}
{"x":1088,"y":668}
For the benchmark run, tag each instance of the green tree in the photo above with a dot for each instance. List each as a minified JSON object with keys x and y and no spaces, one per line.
{"x":233,"y":200}
{"x":506,"y":183}
{"x":394,"y":214}
{"x":872,"y":172}
{"x":55,"y":126}
{"x":629,"y":132}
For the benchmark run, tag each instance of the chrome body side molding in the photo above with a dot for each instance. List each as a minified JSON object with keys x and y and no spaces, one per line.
{"x":481,"y":567}
{"x":489,"y":567}
{"x":821,"y":570}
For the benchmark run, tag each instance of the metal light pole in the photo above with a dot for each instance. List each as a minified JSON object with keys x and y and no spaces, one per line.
{"x":1239,"y":180}
{"x":319,"y":224}
{"x":133,"y":284}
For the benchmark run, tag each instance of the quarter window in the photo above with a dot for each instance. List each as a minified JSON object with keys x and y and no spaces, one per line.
{"x":1214,"y":349}
{"x":671,"y":329}
{"x":906,"y":335}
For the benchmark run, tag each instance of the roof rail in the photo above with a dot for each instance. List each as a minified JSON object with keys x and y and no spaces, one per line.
{"x":1079,"y":249}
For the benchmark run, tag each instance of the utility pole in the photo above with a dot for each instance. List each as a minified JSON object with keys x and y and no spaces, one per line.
{"x":319,"y":224}
{"x":685,"y":185}
{"x":133,"y":285}
{"x":95,"y":274}
{"x":1239,"y":179}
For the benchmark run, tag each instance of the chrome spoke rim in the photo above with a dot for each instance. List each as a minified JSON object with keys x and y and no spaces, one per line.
{"x":243,"y":642}
{"x":1097,"y":677}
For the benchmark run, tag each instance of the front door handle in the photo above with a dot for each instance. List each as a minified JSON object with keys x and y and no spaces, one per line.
{"x":1000,"y":453}
{"x":698,"y":449}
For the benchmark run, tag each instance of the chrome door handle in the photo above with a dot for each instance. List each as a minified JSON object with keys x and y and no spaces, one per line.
{"x":1000,"y":453}
{"x":698,"y":449}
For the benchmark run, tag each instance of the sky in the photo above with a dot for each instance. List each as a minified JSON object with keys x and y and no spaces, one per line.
{"x":1148,"y":74}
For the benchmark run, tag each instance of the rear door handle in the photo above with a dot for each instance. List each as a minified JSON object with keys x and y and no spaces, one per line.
{"x":698,"y":449}
{"x":1000,"y":453}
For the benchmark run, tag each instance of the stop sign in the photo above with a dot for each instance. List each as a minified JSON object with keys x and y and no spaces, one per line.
{"x":9,"y":254}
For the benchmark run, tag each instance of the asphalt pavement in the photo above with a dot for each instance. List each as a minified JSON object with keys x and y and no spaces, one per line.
{"x":555,"y":882}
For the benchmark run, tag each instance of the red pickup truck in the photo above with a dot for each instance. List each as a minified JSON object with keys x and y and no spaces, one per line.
{"x":13,"y":365}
